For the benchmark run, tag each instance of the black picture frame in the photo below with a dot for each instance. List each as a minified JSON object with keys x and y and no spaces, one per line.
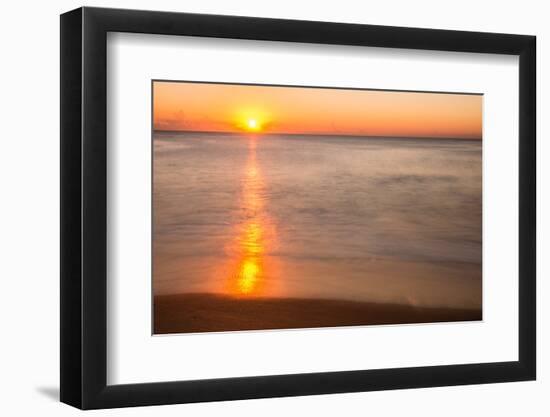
{"x":84,"y":207}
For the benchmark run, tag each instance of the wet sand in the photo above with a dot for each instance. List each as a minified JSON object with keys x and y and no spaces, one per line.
{"x":191,"y":313}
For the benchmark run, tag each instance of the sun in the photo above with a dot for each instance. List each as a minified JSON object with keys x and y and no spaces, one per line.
{"x":252,"y":124}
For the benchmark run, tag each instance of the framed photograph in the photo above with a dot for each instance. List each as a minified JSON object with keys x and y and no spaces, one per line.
{"x":257,"y":208}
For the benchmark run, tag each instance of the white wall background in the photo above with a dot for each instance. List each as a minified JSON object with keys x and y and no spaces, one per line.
{"x":29,"y":209}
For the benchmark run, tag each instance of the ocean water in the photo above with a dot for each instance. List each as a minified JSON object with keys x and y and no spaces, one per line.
{"x":374,"y":219}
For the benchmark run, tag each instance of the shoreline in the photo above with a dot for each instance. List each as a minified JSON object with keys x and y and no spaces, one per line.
{"x":209,"y":312}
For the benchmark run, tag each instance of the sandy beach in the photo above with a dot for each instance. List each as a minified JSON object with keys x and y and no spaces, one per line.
{"x":204,"y":312}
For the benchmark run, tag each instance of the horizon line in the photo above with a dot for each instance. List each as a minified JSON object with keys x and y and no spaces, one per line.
{"x":317,"y":134}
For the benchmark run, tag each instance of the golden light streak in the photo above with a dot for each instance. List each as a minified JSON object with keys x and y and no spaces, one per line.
{"x":247,"y":276}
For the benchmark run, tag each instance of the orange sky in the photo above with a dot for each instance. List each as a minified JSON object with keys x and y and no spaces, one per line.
{"x":236,"y":108}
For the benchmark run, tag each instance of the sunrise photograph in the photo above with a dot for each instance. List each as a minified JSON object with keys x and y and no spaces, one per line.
{"x":294,"y":207}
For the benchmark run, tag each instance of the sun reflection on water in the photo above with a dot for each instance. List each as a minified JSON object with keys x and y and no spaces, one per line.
{"x":254,"y":235}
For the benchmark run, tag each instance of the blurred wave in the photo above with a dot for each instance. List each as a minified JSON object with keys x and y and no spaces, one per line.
{"x":377,"y":219}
